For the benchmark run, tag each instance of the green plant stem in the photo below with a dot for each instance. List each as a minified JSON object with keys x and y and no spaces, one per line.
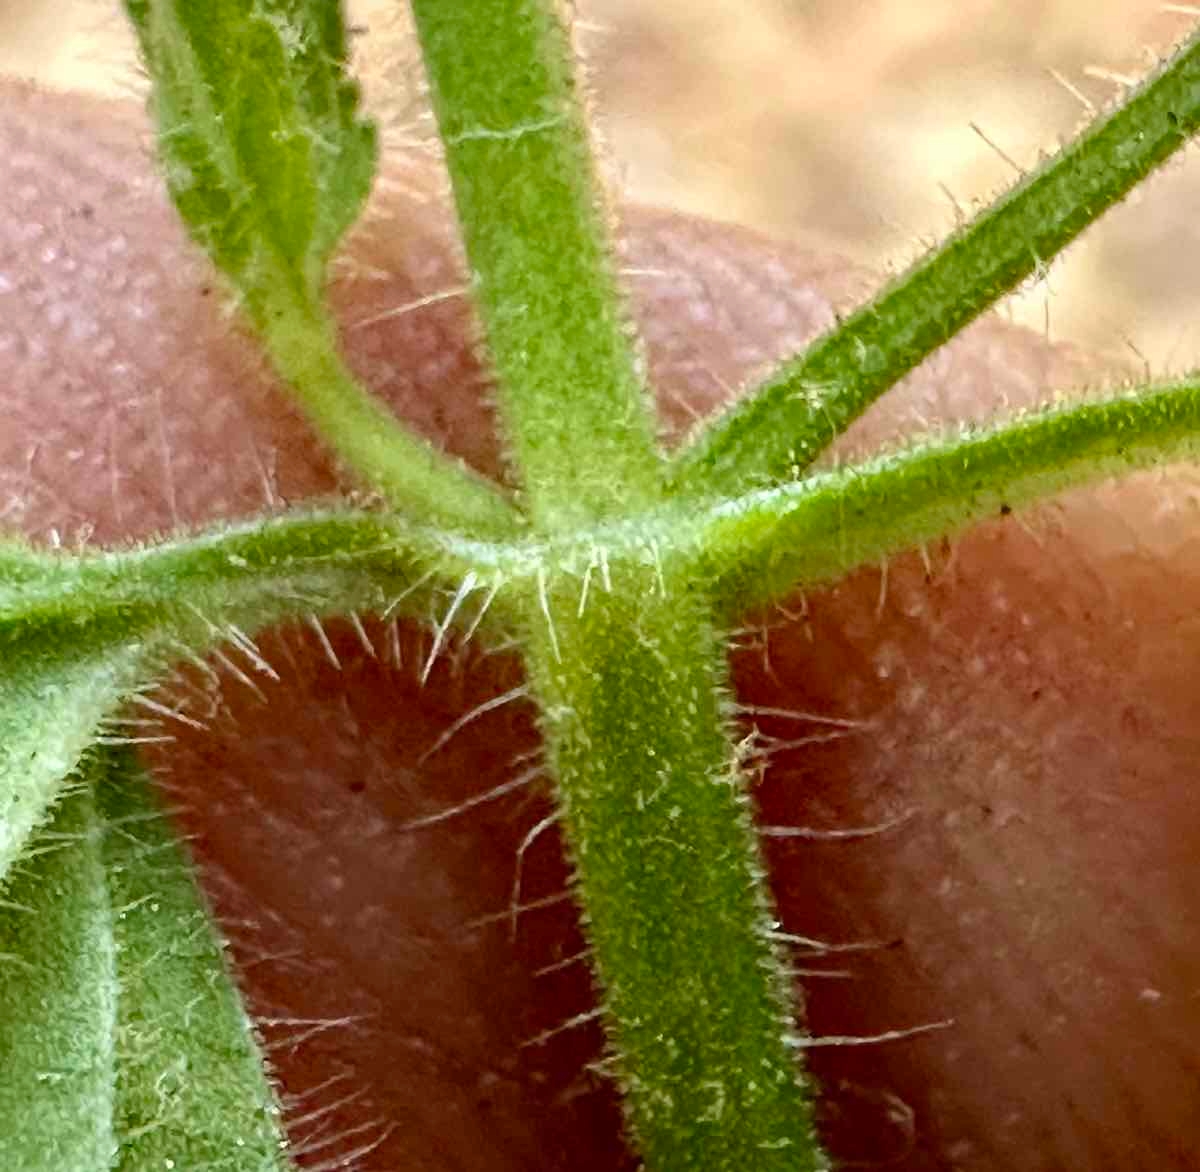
{"x":411,"y":473}
{"x":773,"y":435}
{"x":269,"y":163}
{"x":631,"y":681}
{"x":752,"y":548}
{"x":763,"y":546}
{"x":251,"y":574}
{"x":574,"y":405}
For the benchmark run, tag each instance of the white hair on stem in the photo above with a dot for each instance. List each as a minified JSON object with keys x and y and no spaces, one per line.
{"x":326,"y":1137}
{"x":302,"y":1030}
{"x":343,"y":1161}
{"x":323,"y":638}
{"x":567,"y":962}
{"x":251,"y":651}
{"x":484,"y":606}
{"x":466,"y":586}
{"x":531,"y":836}
{"x":826,"y":947}
{"x":578,"y":1021}
{"x":491,"y":795}
{"x":544,"y":603}
{"x":832,"y":1040}
{"x":361,"y":631}
{"x":407,"y":307}
{"x":533,"y":905}
{"x":490,"y":705}
{"x":848,"y":834}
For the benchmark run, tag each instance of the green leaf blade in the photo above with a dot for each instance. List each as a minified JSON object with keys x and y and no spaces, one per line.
{"x":58,"y":1003}
{"x":190,"y":1087}
{"x":266,"y":154}
{"x":123,"y":1044}
{"x":50,"y":709}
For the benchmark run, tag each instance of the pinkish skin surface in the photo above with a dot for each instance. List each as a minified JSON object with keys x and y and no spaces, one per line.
{"x":1024,"y":697}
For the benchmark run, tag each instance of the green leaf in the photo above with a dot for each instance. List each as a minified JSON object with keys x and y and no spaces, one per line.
{"x":269,"y":164}
{"x":190,"y":1085}
{"x":57,"y":1003}
{"x":115,"y":1032}
{"x":123,"y":1044}
{"x":265,"y":154}
{"x":50,"y":707}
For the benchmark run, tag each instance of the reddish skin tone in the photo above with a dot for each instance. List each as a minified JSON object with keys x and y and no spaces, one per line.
{"x":1029,"y":696}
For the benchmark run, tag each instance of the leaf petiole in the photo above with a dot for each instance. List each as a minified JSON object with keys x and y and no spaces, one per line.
{"x":765,"y":545}
{"x":773,"y":435}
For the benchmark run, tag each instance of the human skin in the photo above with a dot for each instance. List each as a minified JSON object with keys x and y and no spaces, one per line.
{"x":1015,"y":707}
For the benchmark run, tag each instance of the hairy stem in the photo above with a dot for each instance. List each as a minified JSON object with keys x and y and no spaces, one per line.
{"x":658,"y":821}
{"x":772,"y":436}
{"x":575,"y":407}
{"x":251,"y":574}
{"x":765,"y":545}
{"x":416,"y":479}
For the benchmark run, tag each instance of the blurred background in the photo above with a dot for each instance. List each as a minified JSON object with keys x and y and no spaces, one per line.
{"x":865,"y":127}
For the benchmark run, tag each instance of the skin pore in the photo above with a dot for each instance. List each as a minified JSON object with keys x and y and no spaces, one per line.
{"x":1009,"y":718}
